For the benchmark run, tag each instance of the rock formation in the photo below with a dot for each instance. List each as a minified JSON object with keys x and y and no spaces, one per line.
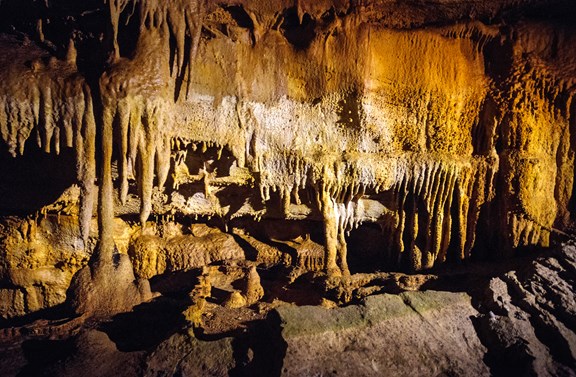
{"x":145,"y":145}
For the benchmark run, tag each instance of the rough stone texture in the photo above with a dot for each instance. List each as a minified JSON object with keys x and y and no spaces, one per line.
{"x":479,"y":322}
{"x":193,"y":357}
{"x":529,"y":327}
{"x":97,"y":355}
{"x":373,"y":339}
{"x":327,"y":112}
{"x":101,"y":289}
{"x":39,"y":258}
{"x":445,"y":129}
{"x":152,"y":255}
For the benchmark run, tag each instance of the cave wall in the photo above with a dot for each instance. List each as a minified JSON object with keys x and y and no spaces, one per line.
{"x":448,"y":125}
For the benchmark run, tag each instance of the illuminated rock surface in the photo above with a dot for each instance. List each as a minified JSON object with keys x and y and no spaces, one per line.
{"x":224,"y":159}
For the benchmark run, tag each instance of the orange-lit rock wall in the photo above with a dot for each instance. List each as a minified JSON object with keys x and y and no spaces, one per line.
{"x":454,"y":139}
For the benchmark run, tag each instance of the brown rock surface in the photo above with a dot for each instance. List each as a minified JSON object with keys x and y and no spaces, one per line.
{"x":486,"y":319}
{"x":341,"y":177}
{"x":332,"y":113}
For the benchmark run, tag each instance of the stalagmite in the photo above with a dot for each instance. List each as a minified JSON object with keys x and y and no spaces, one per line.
{"x":330,"y":233}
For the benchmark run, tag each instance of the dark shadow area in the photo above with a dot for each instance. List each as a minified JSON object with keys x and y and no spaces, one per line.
{"x":562,"y":13}
{"x":234,"y":197}
{"x":175,"y":284}
{"x":250,"y":252}
{"x":34,"y":180}
{"x":261,"y":351}
{"x":278,"y":230}
{"x":471,"y":276}
{"x":56,"y":314}
{"x":300,"y":35}
{"x":86,"y":22}
{"x":215,"y":160}
{"x":499,"y":59}
{"x":503,"y":360}
{"x":306,"y":289}
{"x":147,"y":325}
{"x":43,"y":353}
{"x":239,"y":15}
{"x":366,"y":246}
{"x":218,"y":295}
{"x":129,"y":31}
{"x":185,"y":69}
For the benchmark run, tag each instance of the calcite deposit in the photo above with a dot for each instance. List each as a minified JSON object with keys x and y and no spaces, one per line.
{"x":227,"y":150}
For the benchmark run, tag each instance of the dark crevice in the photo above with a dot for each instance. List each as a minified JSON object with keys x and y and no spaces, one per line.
{"x":239,"y":15}
{"x":506,"y":352}
{"x":23,"y":175}
{"x":503,"y":359}
{"x":572,"y":141}
{"x":366,"y":251}
{"x":299,"y":35}
{"x":408,"y":302}
{"x":42,"y":353}
{"x":56,"y":313}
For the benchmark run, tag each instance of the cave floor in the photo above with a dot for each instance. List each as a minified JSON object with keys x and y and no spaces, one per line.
{"x":486,"y":318}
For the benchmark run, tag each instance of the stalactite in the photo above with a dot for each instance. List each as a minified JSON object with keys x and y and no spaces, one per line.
{"x":106,"y":190}
{"x":330,"y":233}
{"x":432,"y":187}
{"x":53,"y":100}
{"x":85,"y":146}
{"x":440,"y":195}
{"x":182,"y":17}
{"x":141,"y":112}
{"x":163,"y":153}
{"x":144,"y":141}
{"x":116,"y":7}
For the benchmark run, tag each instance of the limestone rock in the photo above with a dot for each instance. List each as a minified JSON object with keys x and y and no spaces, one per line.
{"x":373,"y":339}
{"x":235,"y":300}
{"x":103,"y":289}
{"x":445,"y":124}
{"x":97,"y":355}
{"x":198,"y":296}
{"x":485,"y":321}
{"x":395,"y":133}
{"x":152,"y":255}
{"x":253,"y":290}
{"x":193,"y":357}
{"x":39,"y":258}
{"x":522,"y":306}
{"x":290,"y":152}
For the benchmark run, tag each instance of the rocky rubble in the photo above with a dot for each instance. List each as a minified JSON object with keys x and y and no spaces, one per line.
{"x":483,"y":320}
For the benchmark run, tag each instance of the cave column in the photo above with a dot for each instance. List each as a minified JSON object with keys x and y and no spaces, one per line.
{"x":334,"y":218}
{"x":342,"y":251}
{"x":330,"y":233}
{"x":106,"y":192}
